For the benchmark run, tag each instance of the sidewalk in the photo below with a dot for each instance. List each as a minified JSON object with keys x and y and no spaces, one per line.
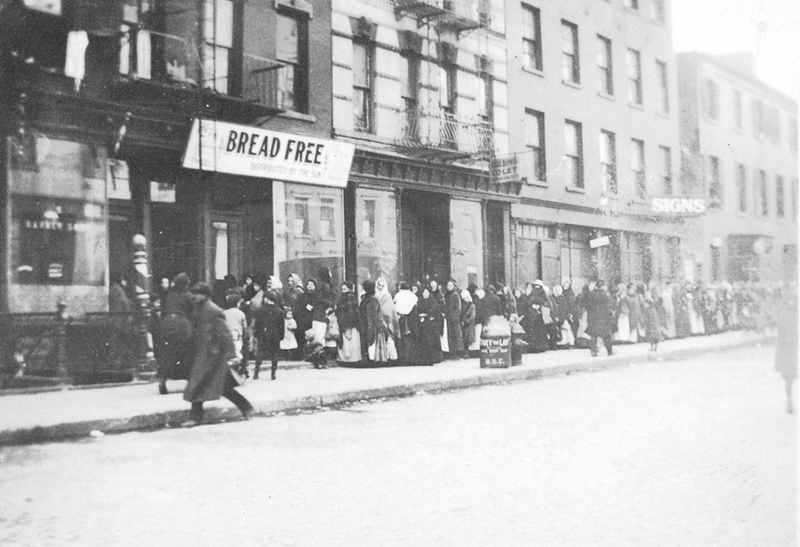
{"x":53,"y":415}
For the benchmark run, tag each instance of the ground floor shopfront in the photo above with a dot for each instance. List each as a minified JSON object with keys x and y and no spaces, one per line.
{"x":71,"y":211}
{"x":418,"y":221}
{"x":557,"y":245}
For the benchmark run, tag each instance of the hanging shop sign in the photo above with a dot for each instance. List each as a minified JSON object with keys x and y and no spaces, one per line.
{"x":679,"y":206}
{"x":53,"y":7}
{"x":254,"y":152}
{"x":505,"y":170}
{"x":601,"y":241}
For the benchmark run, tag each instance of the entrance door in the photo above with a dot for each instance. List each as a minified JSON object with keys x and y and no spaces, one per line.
{"x":120,"y":241}
{"x":226,"y":245}
{"x":495,"y":243}
{"x":426,"y":236}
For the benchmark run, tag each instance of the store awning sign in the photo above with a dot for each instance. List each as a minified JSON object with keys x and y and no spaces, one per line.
{"x":254,"y":152}
{"x":678,"y":206}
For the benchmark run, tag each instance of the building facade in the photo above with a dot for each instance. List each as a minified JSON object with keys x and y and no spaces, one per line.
{"x":420,"y":88}
{"x":740,"y":142}
{"x":594,"y":131}
{"x":100,"y":111}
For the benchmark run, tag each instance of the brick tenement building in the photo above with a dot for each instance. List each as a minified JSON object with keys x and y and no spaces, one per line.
{"x":593,"y":121}
{"x":739,"y":136}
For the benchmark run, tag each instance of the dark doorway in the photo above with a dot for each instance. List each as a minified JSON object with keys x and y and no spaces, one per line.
{"x":495,"y":243}
{"x":425,"y":245}
{"x":120,"y":241}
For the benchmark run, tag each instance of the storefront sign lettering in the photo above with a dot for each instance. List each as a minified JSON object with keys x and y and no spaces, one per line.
{"x":505,"y":170}
{"x":250,"y":151}
{"x":678,"y":205}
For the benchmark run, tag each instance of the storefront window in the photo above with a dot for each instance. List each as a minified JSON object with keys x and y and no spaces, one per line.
{"x":309,"y":222}
{"x":376,"y":215}
{"x":466,"y":255}
{"x":58,"y":234}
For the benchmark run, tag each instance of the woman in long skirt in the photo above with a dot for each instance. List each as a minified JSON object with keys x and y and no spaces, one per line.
{"x":430,"y":326}
{"x":348,"y":319}
{"x":405,"y":305}
{"x":174,"y":351}
{"x":452,"y":316}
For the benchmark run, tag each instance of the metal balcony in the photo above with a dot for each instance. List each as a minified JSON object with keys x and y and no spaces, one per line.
{"x":440,"y":136}
{"x":454,"y":15}
{"x":158,"y":68}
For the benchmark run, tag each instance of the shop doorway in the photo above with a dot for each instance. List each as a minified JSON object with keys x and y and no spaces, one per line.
{"x":120,"y":241}
{"x":425,"y":243}
{"x":226,"y":246}
{"x":495,"y":243}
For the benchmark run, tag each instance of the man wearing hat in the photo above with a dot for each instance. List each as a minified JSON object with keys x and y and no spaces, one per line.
{"x":600,"y":318}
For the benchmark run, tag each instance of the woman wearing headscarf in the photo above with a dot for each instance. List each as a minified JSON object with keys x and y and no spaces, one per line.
{"x":304,"y":310}
{"x":537,"y":338}
{"x":174,"y":350}
{"x":560,"y":316}
{"x":582,"y":339}
{"x":509,"y":301}
{"x":471,"y":342}
{"x":430,"y":313}
{"x":369,"y":311}
{"x":405,"y":305}
{"x":348,"y":319}
{"x":387,"y":305}
{"x":452,"y":341}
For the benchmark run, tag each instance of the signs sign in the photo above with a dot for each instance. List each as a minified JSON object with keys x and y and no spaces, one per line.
{"x":679,"y":206}
{"x":599,"y":242}
{"x":53,"y":7}
{"x":505,"y":170}
{"x":254,"y":152}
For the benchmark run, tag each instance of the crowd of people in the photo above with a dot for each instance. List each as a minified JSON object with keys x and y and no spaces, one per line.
{"x":212,"y":338}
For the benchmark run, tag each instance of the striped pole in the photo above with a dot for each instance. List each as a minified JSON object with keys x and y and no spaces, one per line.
{"x":145,"y":370}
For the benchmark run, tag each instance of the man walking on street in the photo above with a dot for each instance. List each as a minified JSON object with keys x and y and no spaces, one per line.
{"x":210,"y":378}
{"x":600,"y":318}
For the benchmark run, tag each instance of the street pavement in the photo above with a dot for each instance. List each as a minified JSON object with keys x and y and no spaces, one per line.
{"x":692,"y":452}
{"x":74,"y":413}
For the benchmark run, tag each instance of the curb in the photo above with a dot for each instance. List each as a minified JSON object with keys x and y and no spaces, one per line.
{"x":168,"y":419}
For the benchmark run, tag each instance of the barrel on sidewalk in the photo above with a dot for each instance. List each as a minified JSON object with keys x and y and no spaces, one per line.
{"x":496,"y":343}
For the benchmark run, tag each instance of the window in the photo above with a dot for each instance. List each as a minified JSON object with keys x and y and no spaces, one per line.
{"x":608,"y":161}
{"x":468,"y":228}
{"x":362,"y":86}
{"x":666,"y":169}
{"x":793,"y":134}
{"x":737,"y":108}
{"x":447,"y":88}
{"x":710,"y":99}
{"x":301,"y":217}
{"x":762,"y":184}
{"x":632,"y":4}
{"x":573,"y":146}
{"x":741,"y":187}
{"x":534,"y":168}
{"x":663,"y":87}
{"x":715,"y":192}
{"x":327,"y":219}
{"x":634,"y":61}
{"x":291,"y":48}
{"x":217,"y":43}
{"x":658,"y":14}
{"x":570,"y":61}
{"x":485,"y":95}
{"x":368,"y":221}
{"x":531,"y":38}
{"x":779,"y":197}
{"x":409,"y":83}
{"x":605,"y":65}
{"x":637,"y":168}
{"x":758,"y":118}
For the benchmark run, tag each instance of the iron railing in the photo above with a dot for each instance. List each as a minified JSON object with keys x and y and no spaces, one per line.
{"x":424,"y":129}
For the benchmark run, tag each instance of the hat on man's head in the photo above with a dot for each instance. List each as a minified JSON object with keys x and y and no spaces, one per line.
{"x":538,"y":283}
{"x":202,"y":288}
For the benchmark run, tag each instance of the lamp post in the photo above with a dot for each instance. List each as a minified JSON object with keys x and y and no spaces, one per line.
{"x":145,"y":369}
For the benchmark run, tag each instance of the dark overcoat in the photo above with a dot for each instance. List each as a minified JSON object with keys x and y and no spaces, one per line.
{"x":369,"y":311}
{"x":269,"y":328}
{"x":213,"y":346}
{"x":452,"y":313}
{"x":174,"y":348}
{"x":468,"y":323}
{"x":600,"y":314}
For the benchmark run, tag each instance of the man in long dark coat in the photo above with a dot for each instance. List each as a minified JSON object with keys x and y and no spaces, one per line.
{"x":210,"y":377}
{"x":600,"y":318}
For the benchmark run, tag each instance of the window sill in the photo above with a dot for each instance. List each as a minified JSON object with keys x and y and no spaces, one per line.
{"x":574,"y":85}
{"x":298,"y":116}
{"x":637,"y":106}
{"x":534,"y":71}
{"x":606,"y":96}
{"x":537,"y":184}
{"x":575,"y":189}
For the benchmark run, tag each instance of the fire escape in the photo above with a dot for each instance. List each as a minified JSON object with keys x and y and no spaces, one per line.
{"x":435,"y":132}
